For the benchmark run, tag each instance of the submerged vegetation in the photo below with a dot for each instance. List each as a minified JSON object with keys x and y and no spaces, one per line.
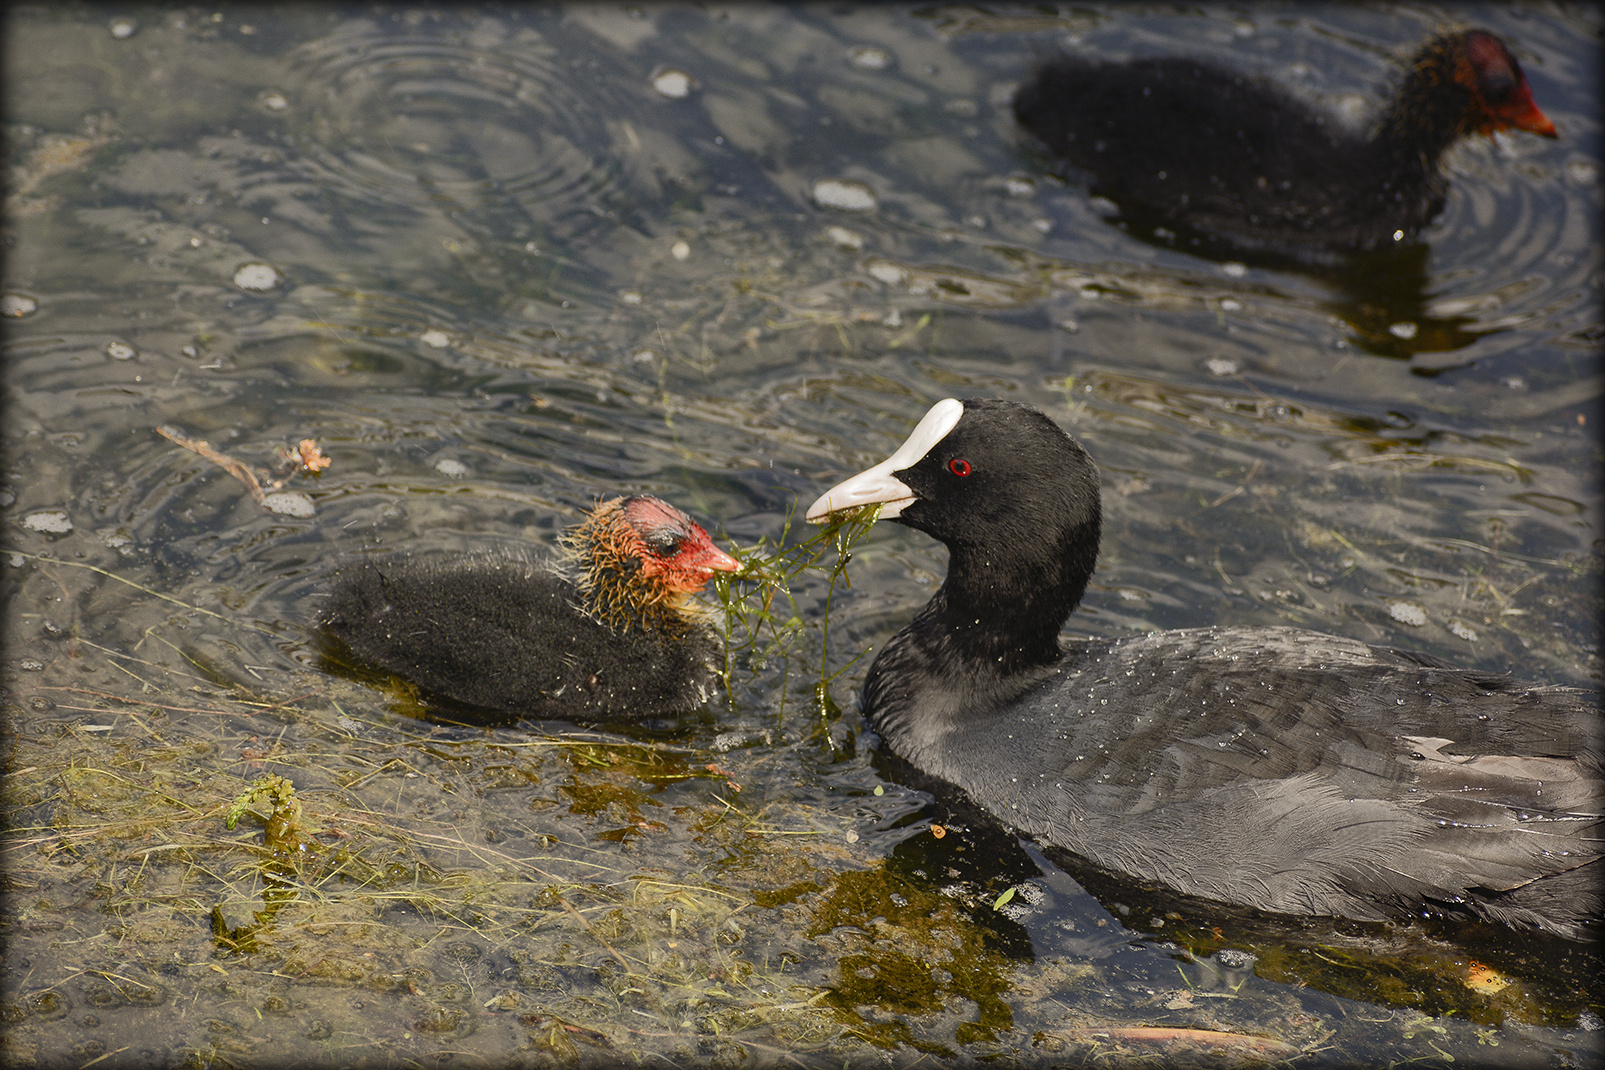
{"x":477,"y":894}
{"x":758,"y":633}
{"x":337,"y":882}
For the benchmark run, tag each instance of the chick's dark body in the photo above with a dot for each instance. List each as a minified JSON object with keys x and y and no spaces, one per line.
{"x":1237,"y":158}
{"x":615,"y":636}
{"x":1269,"y":178}
{"x":504,"y":633}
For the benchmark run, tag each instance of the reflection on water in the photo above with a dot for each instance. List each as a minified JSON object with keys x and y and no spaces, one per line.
{"x":1382,"y":295}
{"x":498,"y":266}
{"x":1385,"y":299}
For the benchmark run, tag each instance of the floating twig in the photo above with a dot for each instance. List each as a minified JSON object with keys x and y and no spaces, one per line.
{"x":234,"y":468}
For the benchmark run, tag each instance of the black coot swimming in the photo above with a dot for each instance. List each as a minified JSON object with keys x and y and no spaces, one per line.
{"x":1281,"y":769}
{"x":1238,"y":159}
{"x":617,"y":639}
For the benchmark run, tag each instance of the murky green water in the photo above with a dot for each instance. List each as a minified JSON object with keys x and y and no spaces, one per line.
{"x":498,"y":270}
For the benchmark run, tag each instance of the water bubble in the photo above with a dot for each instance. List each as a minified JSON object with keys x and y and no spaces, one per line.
{"x":870,"y":57}
{"x":273,"y":100}
{"x":51,"y":521}
{"x":630,"y":297}
{"x":671,"y":83}
{"x":451,"y":468}
{"x":1403,"y":329}
{"x":1463,"y":630}
{"x":15,"y":305}
{"x":122,"y":27}
{"x":1222,"y":366}
{"x":1407,"y":612}
{"x":288,"y":502}
{"x":256,"y":277}
{"x":121,"y":351}
{"x":435,"y":338}
{"x":847,"y":239}
{"x":889,"y":273}
{"x":680,"y":250}
{"x":844,"y":194}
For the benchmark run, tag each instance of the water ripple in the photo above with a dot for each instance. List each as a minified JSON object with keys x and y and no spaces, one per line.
{"x":491,"y":126}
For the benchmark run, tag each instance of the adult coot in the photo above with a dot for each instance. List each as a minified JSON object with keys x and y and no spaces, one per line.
{"x":1238,"y":159}
{"x":615,"y":639}
{"x":1283,"y":769}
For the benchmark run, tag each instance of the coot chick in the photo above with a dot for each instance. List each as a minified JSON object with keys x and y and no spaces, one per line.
{"x":1271,"y":767}
{"x":1237,"y":159}
{"x":615,"y":638}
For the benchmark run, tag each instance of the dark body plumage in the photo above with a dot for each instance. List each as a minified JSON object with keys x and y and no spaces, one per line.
{"x":499,"y":632}
{"x":1281,"y":769}
{"x":1235,"y":158}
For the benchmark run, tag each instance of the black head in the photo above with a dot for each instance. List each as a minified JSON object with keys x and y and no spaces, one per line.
{"x":1014,"y":498}
{"x":1004,"y":475}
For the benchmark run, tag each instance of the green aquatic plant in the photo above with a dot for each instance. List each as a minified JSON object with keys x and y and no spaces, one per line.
{"x":762,"y":630}
{"x":284,"y":837}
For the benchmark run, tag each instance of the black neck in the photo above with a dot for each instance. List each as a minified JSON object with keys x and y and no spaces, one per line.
{"x":987,"y":634}
{"x":1002,"y":613}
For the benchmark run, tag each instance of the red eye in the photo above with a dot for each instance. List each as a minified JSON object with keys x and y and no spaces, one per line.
{"x":959,"y":467}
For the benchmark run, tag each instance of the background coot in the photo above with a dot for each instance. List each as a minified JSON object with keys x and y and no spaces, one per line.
{"x":616,"y":639}
{"x":1282,"y":769}
{"x":1235,"y":158}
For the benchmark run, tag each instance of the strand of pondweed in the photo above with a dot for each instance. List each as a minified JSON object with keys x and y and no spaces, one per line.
{"x":842,"y":533}
{"x":771,"y":566}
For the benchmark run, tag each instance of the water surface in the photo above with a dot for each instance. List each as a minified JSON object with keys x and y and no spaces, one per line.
{"x":502,"y":262}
